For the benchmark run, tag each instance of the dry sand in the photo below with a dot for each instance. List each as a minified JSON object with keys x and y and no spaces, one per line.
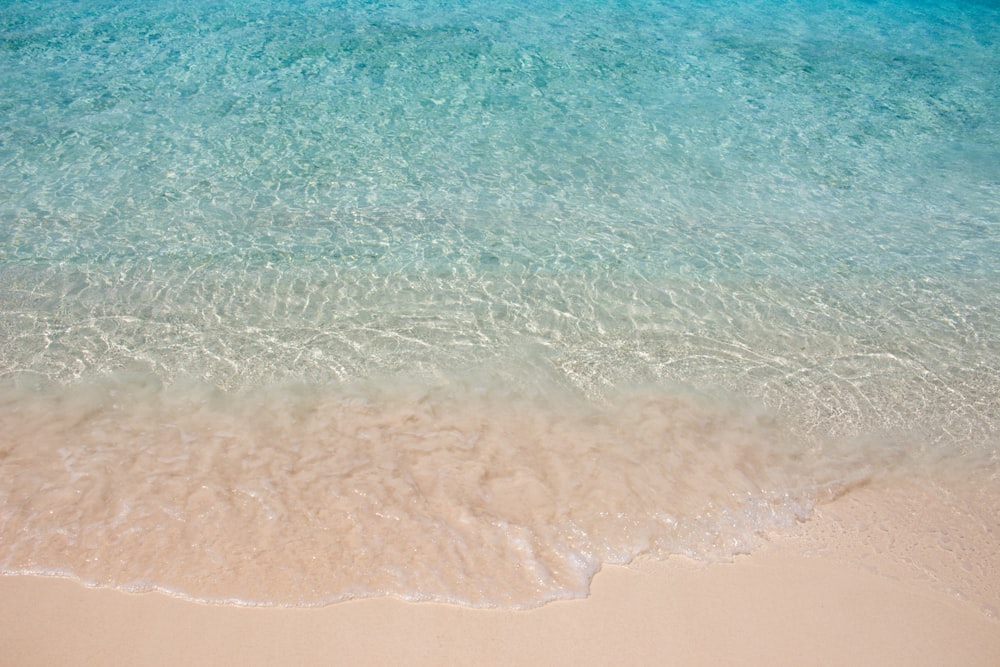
{"x":884,"y":576}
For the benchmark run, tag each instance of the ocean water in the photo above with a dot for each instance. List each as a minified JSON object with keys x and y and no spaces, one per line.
{"x":302,"y":301}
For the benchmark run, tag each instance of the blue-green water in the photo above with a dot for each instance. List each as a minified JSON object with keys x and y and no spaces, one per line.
{"x":231,"y":228}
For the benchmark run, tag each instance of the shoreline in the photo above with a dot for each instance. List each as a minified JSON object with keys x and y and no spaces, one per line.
{"x":878,"y":576}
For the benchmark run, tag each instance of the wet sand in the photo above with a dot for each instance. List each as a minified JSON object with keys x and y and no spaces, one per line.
{"x":881,"y":576}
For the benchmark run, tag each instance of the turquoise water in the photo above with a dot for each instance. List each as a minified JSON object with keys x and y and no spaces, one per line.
{"x":288,"y":288}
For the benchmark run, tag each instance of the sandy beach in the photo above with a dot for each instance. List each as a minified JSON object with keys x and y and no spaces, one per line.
{"x":369,"y":333}
{"x":881,"y":576}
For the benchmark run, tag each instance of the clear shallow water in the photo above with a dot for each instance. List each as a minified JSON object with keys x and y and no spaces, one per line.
{"x":460,"y":302}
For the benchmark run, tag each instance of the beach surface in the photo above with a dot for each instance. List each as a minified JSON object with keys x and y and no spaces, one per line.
{"x":884,"y":575}
{"x":362,"y":303}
